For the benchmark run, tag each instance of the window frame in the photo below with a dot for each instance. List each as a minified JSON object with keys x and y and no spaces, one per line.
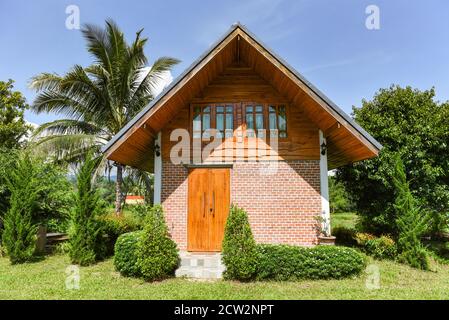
{"x":213,"y":114}
{"x":266,"y":119}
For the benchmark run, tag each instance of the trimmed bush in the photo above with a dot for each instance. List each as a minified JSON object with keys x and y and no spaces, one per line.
{"x":86,"y":235}
{"x":344,"y":236}
{"x":113,"y":226}
{"x":157,"y":255}
{"x":125,"y":254}
{"x":284,"y":262}
{"x":239,"y":252}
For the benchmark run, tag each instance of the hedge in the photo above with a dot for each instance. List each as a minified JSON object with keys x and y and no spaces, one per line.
{"x":285,"y":262}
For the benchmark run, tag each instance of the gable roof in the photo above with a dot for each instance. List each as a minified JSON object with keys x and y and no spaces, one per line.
{"x":328,"y":118}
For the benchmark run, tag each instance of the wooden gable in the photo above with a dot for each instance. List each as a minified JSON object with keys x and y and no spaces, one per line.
{"x":236,"y":59}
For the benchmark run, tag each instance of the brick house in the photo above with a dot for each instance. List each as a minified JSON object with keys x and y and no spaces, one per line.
{"x":241,"y":126}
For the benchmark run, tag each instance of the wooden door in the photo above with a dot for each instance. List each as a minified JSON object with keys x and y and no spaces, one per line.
{"x":208,"y":203}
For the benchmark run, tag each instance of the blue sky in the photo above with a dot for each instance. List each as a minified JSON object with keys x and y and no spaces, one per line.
{"x":326,"y":41}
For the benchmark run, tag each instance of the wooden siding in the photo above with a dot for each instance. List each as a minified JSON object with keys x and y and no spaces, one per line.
{"x":238,"y":85}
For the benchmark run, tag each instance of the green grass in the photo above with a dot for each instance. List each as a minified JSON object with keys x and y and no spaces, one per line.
{"x":46,"y":280}
{"x":345,"y":219}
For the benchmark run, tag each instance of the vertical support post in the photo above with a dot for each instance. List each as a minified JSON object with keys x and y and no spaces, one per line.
{"x":157,"y":170}
{"x":324,"y":185}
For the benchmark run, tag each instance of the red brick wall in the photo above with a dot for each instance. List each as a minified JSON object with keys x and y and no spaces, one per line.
{"x":281,"y":207}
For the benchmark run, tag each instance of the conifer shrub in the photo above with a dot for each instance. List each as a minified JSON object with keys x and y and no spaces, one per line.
{"x":157,"y":254}
{"x":239,"y":253}
{"x":87,"y":243}
{"x":19,"y":234}
{"x":412,"y":222}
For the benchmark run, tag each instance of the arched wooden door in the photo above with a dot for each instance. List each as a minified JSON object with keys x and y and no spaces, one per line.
{"x":208,"y":203}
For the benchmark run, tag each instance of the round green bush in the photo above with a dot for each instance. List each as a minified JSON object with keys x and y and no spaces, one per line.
{"x":157,"y":254}
{"x":125,"y":254}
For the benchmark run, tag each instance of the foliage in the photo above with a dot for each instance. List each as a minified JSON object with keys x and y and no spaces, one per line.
{"x":8,"y":161}
{"x":156,"y":251}
{"x":19,"y":235}
{"x":411,"y":220}
{"x":383,"y":247}
{"x":239,"y":253}
{"x":113,"y":226}
{"x":86,"y":234}
{"x":285,"y":262}
{"x":339,"y":198}
{"x":344,"y":236}
{"x":125,"y":254}
{"x":97,"y":100}
{"x":411,"y":124}
{"x":13,"y":127}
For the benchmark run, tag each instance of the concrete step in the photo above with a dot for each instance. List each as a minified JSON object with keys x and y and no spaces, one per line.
{"x":200,"y":265}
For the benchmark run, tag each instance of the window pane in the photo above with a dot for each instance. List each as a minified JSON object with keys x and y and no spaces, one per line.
{"x":206,"y":109}
{"x":249,"y":121}
{"x":229,"y":109}
{"x":220,"y":109}
{"x":220,"y":121}
{"x":259,"y":109}
{"x":272,"y":121}
{"x":282,"y":119}
{"x":259,"y":121}
{"x":229,"y":121}
{"x":206,"y":121}
{"x":283,"y":134}
{"x":272,"y":109}
{"x":196,"y":110}
{"x":249,"y":109}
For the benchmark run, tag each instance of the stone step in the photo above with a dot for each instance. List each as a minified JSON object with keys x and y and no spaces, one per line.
{"x":200,"y":265}
{"x":199,"y":272}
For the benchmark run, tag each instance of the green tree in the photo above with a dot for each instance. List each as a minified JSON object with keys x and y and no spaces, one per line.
{"x":98,"y":100}
{"x":19,"y":235}
{"x":411,"y":220}
{"x":86,"y":244}
{"x":411,"y":124}
{"x":339,"y":199}
{"x":13,"y":127}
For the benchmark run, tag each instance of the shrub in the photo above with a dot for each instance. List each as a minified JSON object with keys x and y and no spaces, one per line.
{"x":344,"y":236}
{"x":285,"y":262}
{"x":113,"y":226}
{"x":239,"y":252}
{"x":19,"y":235}
{"x":157,"y":255}
{"x":125,"y":254}
{"x":383,"y":247}
{"x":86,"y":234}
{"x":412,"y":222}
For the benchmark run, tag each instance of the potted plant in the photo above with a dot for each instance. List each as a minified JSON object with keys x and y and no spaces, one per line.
{"x":324,"y":236}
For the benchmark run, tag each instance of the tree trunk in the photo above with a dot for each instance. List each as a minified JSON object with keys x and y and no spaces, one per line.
{"x":118,"y":190}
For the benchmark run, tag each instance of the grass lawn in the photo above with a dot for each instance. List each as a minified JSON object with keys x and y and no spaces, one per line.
{"x":344,"y":219}
{"x":46,"y":280}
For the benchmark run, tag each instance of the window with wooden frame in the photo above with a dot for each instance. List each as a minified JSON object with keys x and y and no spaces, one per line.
{"x":213,"y":116}
{"x":255,"y":124}
{"x":259,"y":117}
{"x":277,"y":120}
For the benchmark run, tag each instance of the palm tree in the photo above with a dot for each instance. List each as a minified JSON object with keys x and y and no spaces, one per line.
{"x":98,"y":100}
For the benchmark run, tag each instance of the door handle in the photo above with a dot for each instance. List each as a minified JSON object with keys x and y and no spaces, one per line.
{"x":204,"y":204}
{"x":213,"y":204}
